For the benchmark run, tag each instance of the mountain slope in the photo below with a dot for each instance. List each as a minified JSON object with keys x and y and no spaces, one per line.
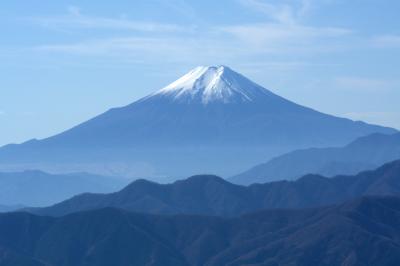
{"x":36,"y":188}
{"x":365,"y":153}
{"x":8,"y":208}
{"x":211,"y":195}
{"x":365,"y":231}
{"x":210,"y":118}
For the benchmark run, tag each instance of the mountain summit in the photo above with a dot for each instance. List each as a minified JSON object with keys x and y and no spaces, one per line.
{"x":211,"y":120}
{"x":213,"y":84}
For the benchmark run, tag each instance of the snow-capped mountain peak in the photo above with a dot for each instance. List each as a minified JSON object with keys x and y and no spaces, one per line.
{"x":213,"y":84}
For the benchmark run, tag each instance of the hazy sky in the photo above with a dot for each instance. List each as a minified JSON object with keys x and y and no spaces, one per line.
{"x":62,"y":62}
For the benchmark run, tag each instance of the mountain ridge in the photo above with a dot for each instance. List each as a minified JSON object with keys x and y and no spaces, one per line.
{"x":36,"y":188}
{"x":212,"y":195}
{"x":362,"y":154}
{"x":364,"y":231}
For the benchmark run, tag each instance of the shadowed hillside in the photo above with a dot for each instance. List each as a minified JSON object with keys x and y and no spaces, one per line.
{"x":365,"y":231}
{"x":211,"y":195}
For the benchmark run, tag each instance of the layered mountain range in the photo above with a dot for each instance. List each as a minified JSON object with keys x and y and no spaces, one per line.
{"x":211,"y":120}
{"x":39,"y":189}
{"x":212,"y":195}
{"x":364,"y":231}
{"x":354,"y":221}
{"x":365,"y":153}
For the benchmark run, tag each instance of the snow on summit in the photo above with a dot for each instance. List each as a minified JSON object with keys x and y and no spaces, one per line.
{"x":213,"y":84}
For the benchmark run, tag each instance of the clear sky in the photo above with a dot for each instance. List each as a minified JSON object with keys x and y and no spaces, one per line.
{"x":62,"y":62}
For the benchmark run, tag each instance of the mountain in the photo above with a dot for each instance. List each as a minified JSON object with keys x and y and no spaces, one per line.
{"x":37,"y":188}
{"x":211,"y":120}
{"x":8,"y":208}
{"x":211,"y":195}
{"x":364,"y":231}
{"x":363,"y":154}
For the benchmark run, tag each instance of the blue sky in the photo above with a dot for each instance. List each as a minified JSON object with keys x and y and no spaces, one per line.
{"x":62,"y":62}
